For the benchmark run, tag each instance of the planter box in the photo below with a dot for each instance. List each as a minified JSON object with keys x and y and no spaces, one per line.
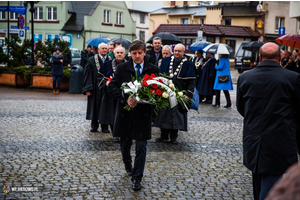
{"x":46,"y":82}
{"x":13,"y":79}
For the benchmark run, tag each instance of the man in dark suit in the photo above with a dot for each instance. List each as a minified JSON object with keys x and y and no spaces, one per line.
{"x":135,"y":124}
{"x":268,"y":98}
{"x":156,"y":52}
{"x":90,"y":87}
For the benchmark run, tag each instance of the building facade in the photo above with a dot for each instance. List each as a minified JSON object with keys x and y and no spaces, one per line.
{"x":74,"y":21}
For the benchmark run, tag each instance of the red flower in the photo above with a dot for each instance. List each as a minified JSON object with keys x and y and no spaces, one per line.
{"x":152,"y":91}
{"x":158,"y":92}
{"x":160,"y":81}
{"x":146,"y":77}
{"x":144,"y":83}
{"x":109,"y":79}
{"x":154,"y":86}
{"x":153,"y":75}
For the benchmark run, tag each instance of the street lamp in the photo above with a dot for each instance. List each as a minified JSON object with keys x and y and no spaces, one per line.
{"x":32,"y":30}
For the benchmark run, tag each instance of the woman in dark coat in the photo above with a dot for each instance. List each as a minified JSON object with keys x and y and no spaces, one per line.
{"x":57,"y":68}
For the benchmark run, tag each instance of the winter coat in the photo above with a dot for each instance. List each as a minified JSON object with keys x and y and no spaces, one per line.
{"x":134,"y":124}
{"x":152,"y":56}
{"x":57,"y":66}
{"x":223,"y":68}
{"x":268,"y":98}
{"x":67,"y":58}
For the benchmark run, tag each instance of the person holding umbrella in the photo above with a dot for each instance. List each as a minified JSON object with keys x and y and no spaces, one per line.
{"x":225,"y":84}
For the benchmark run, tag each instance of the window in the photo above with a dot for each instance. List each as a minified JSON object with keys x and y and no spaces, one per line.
{"x":119,"y":18}
{"x":142,"y":18}
{"x":2,"y":15}
{"x":210,"y":39}
{"x":231,"y":43}
{"x":142,"y":35}
{"x":38,"y":13}
{"x":172,"y":3}
{"x":13,"y":15}
{"x":185,"y":3}
{"x":187,"y":42}
{"x":106,"y":16}
{"x":184,"y":20}
{"x":279,"y":22}
{"x":227,"y":21}
{"x":201,"y":20}
{"x":52,"y":13}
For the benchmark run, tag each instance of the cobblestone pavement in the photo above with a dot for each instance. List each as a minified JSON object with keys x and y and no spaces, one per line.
{"x":46,"y":146}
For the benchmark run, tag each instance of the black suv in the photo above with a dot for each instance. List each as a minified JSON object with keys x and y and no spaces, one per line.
{"x":244,"y":59}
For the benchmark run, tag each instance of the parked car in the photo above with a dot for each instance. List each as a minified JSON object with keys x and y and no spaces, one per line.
{"x":244,"y":59}
{"x":76,"y":56}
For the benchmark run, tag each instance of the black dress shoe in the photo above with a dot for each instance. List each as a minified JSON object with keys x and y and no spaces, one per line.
{"x":160,"y":139}
{"x":173,"y":141}
{"x":93,"y":130}
{"x":106,"y":131}
{"x":227,"y":106}
{"x":128,"y":169}
{"x":216,"y":105}
{"x":136,"y":185}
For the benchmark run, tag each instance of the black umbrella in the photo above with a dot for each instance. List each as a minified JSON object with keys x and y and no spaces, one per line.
{"x":253,"y":46}
{"x":166,"y":38}
{"x":125,"y":42}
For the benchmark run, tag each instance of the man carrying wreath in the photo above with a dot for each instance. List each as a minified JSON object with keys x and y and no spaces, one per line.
{"x":134,"y":124}
{"x":182,"y":72}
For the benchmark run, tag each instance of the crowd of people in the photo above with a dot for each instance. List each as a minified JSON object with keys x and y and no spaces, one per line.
{"x":269,"y":148}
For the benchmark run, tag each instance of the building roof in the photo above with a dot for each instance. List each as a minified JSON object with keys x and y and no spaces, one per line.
{"x":78,"y":10}
{"x":208,"y":29}
{"x":184,"y":10}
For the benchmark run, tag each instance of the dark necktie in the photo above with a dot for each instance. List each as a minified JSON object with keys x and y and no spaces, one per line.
{"x":138,"y":70}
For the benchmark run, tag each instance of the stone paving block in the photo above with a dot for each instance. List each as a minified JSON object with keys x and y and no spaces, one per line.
{"x":47,"y":143}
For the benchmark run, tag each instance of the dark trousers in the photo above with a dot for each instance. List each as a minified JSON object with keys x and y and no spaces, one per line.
{"x":227,"y":96}
{"x":140,"y":156}
{"x":54,"y":82}
{"x":262,"y":185}
{"x":165,"y":133}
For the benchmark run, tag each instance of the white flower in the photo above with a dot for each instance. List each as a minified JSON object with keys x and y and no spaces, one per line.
{"x":171,"y":85}
{"x":165,"y":95}
{"x":170,"y":82}
{"x":180,"y":94}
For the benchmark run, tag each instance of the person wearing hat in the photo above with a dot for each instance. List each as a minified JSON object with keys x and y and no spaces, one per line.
{"x":57,"y":68}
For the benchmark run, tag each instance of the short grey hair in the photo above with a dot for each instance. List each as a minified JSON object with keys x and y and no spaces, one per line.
{"x":119,"y":47}
{"x":167,"y":46}
{"x":180,"y":44}
{"x":156,"y":38}
{"x":102,"y":43}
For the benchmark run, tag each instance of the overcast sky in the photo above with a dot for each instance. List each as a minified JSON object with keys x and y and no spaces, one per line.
{"x":147,"y":6}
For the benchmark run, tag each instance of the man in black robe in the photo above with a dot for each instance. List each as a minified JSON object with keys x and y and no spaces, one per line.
{"x":85,"y":54}
{"x":183,"y":74}
{"x":90,"y":88}
{"x":108,"y":103}
{"x":207,"y":74}
{"x":134,"y":124}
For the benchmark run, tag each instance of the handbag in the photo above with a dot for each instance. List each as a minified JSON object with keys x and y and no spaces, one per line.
{"x":223,"y":79}
{"x":195,"y":100}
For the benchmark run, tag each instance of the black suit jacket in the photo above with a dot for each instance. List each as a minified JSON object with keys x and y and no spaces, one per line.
{"x":135,"y":124}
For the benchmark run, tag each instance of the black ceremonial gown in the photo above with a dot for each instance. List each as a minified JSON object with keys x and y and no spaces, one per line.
{"x":207,"y":74}
{"x":108,"y":103}
{"x":173,"y":118}
{"x":90,"y":83}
